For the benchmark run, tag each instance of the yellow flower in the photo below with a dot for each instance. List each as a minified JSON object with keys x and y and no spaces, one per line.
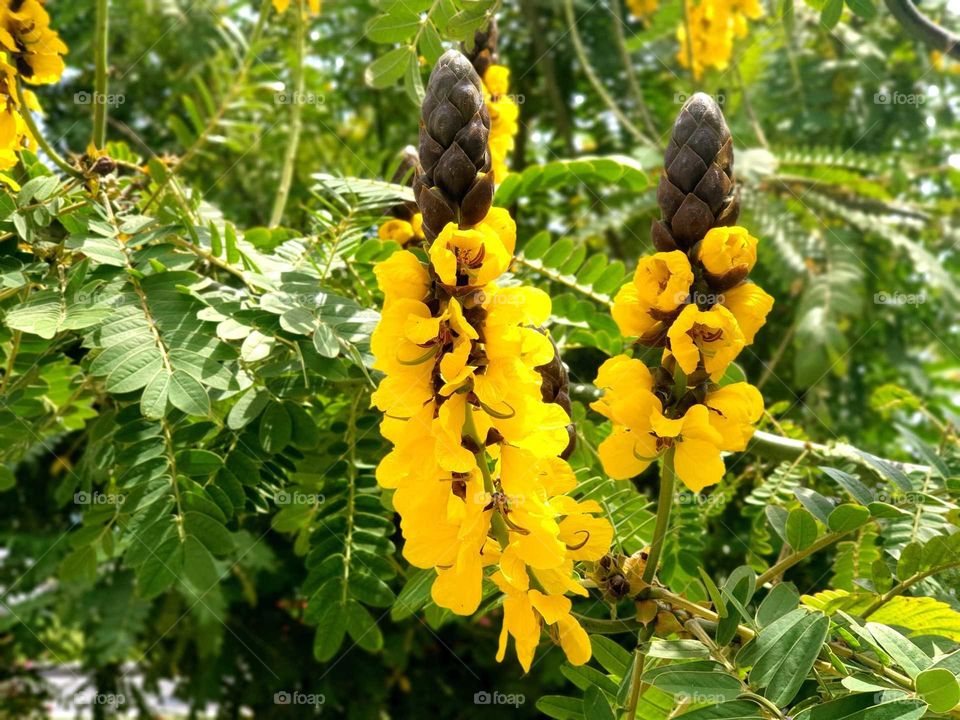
{"x":713,"y":26}
{"x":628,"y":451}
{"x":281,"y":6}
{"x":642,"y":9}
{"x":734,"y":409}
{"x":399,"y":231}
{"x":725,"y":249}
{"x":660,"y":285}
{"x":750,"y":305}
{"x":711,"y":336}
{"x":504,"y":115}
{"x":475,"y":256}
{"x":525,"y":610}
{"x":36,"y":49}
{"x":402,"y":275}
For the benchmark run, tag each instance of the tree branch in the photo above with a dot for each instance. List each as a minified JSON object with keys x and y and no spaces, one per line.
{"x":921,"y":28}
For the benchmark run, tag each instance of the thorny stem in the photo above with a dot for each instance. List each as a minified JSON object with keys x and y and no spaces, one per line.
{"x":41,"y":140}
{"x":664,"y":504}
{"x":100,"y":82}
{"x":296,"y":109}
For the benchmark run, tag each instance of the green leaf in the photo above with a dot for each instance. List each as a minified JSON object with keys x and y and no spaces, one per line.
{"x":614,"y":658}
{"x":695,"y":679}
{"x":208,"y":531}
{"x":560,"y":707}
{"x":596,"y":706}
{"x":864,"y":8}
{"x":362,"y":627}
{"x":907,"y":655}
{"x":161,"y":568}
{"x":276,"y":428}
{"x":7,"y":478}
{"x":730,"y":710}
{"x":198,"y":462}
{"x":781,"y":654}
{"x":830,"y":15}
{"x":847,"y":518}
{"x":939,"y":689}
{"x":677,"y":649}
{"x":188,"y":395}
{"x":782,"y":599}
{"x":198,"y":565}
{"x":395,"y":26}
{"x":865,"y":706}
{"x":801,"y":529}
{"x":414,"y":595}
{"x":388,"y":68}
{"x":153,"y":402}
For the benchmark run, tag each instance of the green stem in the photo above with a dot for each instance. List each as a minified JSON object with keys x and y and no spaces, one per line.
{"x":793,"y":558}
{"x":41,"y":140}
{"x":296,"y":109}
{"x":668,"y":479}
{"x":636,"y":681}
{"x":900,"y":588}
{"x":499,"y":528}
{"x":100,"y":76}
{"x":777,"y":447}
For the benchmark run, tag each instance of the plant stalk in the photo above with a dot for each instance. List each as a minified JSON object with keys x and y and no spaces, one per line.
{"x":41,"y":140}
{"x":100,"y":81}
{"x":668,"y":480}
{"x":296,"y":111}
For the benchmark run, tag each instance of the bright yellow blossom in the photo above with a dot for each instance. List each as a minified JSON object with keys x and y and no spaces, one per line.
{"x":476,"y":256}
{"x":36,"y":49}
{"x":728,"y":249}
{"x":659,"y":286}
{"x":750,"y":305}
{"x":400,"y":231}
{"x":281,"y":6}
{"x":504,"y":115}
{"x":711,"y":336}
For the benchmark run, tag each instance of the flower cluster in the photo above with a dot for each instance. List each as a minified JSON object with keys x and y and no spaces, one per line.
{"x":30,"y":51}
{"x":713,"y":26}
{"x":479,"y":484}
{"x":503,"y":118}
{"x":700,"y":308}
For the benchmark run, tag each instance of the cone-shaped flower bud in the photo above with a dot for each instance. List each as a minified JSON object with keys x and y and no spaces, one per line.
{"x":455,"y":185}
{"x":697,"y":190}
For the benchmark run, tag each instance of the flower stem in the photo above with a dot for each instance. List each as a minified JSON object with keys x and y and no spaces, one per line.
{"x":41,"y":140}
{"x":499,"y":527}
{"x":636,"y":681}
{"x":100,"y":75}
{"x":296,"y":109}
{"x":668,"y":480}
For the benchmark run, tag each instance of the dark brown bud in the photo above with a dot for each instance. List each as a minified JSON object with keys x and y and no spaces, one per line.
{"x":697,"y":190}
{"x":455,"y":160}
{"x":104,"y":166}
{"x":483,"y":53}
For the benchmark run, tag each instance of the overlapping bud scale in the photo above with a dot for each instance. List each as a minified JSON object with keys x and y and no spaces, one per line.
{"x":475,"y":467}
{"x":693,"y":300}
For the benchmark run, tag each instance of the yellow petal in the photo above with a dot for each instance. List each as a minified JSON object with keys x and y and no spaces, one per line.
{"x":698,"y":464}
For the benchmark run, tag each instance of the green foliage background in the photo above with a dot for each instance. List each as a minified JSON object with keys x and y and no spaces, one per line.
{"x":188,"y":452}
